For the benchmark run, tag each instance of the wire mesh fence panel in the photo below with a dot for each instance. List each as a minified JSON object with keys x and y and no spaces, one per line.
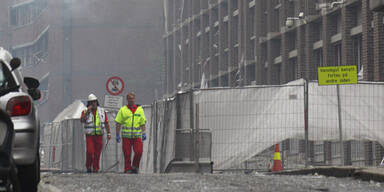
{"x":166,"y":141}
{"x":246,"y":122}
{"x":159,"y":150}
{"x":146,"y":163}
{"x":360,"y":109}
{"x":237,"y":128}
{"x":184,"y":114}
{"x":78,"y":146}
{"x":158,"y":117}
{"x":67,"y":142}
{"x":51,"y":146}
{"x":184,"y":138}
{"x":109,"y":160}
{"x":64,"y":147}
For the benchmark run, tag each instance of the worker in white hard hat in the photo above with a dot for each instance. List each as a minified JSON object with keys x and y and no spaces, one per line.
{"x":94,"y":119}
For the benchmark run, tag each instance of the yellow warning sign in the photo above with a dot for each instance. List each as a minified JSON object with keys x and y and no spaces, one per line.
{"x":346,"y":74}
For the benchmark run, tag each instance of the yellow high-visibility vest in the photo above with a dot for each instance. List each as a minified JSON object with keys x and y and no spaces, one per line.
{"x":131,"y":122}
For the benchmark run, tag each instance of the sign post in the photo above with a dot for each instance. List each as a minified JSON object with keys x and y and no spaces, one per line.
{"x":337,"y":75}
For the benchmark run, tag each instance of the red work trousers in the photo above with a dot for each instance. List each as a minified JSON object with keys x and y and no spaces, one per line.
{"x":94,"y":146}
{"x":137,"y":146}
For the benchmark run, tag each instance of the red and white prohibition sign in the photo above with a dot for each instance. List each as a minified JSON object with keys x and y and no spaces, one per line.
{"x":114,"y":85}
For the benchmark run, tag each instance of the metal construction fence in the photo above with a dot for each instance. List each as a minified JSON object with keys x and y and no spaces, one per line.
{"x":237,"y":129}
{"x":63,"y":146}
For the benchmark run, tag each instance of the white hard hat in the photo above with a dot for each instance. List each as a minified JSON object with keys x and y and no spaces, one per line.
{"x":92,"y":97}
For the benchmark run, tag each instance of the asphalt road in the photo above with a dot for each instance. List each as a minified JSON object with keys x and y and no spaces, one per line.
{"x":107,"y":182}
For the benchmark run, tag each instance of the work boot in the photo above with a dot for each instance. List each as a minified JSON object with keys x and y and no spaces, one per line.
{"x":134,"y":170}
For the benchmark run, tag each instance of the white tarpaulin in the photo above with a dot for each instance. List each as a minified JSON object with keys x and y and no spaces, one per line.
{"x":246,"y":121}
{"x":72,"y":111}
{"x":362,"y":112}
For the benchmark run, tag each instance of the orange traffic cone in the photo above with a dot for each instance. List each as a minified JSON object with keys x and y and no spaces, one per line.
{"x":277,"y":160}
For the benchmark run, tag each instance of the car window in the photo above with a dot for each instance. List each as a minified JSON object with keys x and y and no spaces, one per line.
{"x":6,"y":79}
{"x":2,"y":78}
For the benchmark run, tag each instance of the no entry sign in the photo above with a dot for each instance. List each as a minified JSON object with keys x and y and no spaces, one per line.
{"x":114,"y":85}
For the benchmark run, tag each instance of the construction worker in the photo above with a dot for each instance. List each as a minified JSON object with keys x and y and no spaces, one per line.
{"x":95,"y":120}
{"x":132,"y":119}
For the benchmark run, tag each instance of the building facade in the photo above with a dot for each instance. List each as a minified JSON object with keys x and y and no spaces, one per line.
{"x":230,"y":43}
{"x":73,"y":47}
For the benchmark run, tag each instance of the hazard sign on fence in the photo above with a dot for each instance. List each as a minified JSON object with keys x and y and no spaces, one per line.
{"x":114,"y":85}
{"x":335,"y":75}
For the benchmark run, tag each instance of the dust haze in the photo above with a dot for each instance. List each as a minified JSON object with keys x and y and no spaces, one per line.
{"x":119,"y":38}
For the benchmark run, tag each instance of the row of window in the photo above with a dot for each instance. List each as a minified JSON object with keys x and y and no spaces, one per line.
{"x":337,"y":50}
{"x":26,"y":13}
{"x":34,"y":53}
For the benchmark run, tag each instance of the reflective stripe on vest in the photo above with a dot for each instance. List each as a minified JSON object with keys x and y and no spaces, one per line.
{"x":95,"y":128}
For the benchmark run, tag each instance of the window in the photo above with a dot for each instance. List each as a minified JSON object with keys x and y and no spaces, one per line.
{"x":291,"y":41}
{"x":357,"y":15}
{"x":225,"y":35}
{"x":2,"y":76}
{"x":33,"y":53}
{"x":276,"y":17}
{"x":277,"y":73}
{"x":235,"y":5}
{"x":319,"y":57}
{"x":292,"y":69}
{"x":357,"y":46}
{"x":337,"y":52}
{"x":338,"y":23}
{"x":26,"y":13}
{"x":235,"y":56}
{"x":250,"y":70}
{"x":319,"y":31}
{"x":235,"y":33}
{"x":6,"y":80}
{"x":251,"y":22}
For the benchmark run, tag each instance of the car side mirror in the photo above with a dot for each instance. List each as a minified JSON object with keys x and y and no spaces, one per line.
{"x":31,"y":82}
{"x":34,"y":93}
{"x":15,"y":63}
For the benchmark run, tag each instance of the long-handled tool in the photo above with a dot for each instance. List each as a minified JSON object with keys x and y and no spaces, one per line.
{"x":112,"y":166}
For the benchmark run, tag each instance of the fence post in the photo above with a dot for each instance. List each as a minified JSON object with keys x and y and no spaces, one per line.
{"x":306,"y":120}
{"x":62,"y":147}
{"x":50,"y":146}
{"x":73,"y":146}
{"x":178,"y":112}
{"x":191,"y":124}
{"x":154,"y":146}
{"x":197,"y":140}
{"x":340,"y":125}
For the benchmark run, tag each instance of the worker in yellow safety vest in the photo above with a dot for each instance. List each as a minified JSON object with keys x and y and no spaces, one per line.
{"x":94,"y":120}
{"x":131,"y":121}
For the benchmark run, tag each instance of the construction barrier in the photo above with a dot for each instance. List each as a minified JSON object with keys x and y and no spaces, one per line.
{"x":238,"y":129}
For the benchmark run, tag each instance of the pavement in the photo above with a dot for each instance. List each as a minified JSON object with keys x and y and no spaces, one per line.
{"x":193,"y":182}
{"x":363,"y":173}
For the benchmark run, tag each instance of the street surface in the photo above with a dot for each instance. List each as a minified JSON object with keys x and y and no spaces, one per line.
{"x":107,"y":182}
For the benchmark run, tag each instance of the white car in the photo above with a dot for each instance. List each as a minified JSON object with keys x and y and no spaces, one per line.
{"x":20,"y":92}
